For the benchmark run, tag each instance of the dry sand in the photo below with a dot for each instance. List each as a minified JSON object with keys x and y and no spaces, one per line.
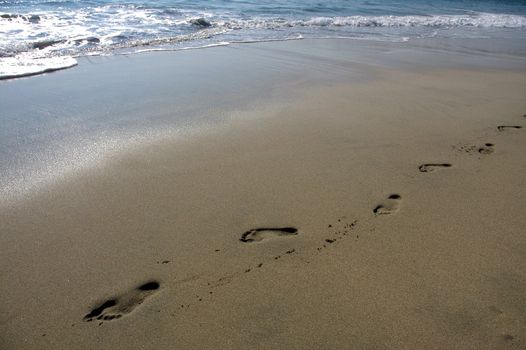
{"x":347,"y":241}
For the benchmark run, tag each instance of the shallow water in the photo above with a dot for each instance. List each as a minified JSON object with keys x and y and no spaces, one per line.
{"x":35,"y":32}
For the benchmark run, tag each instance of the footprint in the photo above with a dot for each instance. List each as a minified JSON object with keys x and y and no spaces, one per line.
{"x":259,"y":234}
{"x":122,"y":305}
{"x":389,"y":206}
{"x":426,"y":168}
{"x":507,"y":337}
{"x":504,"y":127}
{"x":466,"y":148}
{"x":495,"y":310}
{"x":487,"y":148}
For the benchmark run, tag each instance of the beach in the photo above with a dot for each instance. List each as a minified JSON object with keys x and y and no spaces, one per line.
{"x":309,"y":194}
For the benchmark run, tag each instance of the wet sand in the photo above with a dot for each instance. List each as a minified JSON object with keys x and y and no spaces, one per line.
{"x":385,"y":211}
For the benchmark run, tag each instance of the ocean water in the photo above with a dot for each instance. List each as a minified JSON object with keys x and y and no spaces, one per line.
{"x":43,"y":35}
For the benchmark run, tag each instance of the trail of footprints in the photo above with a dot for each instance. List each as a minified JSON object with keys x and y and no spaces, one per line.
{"x":388,"y":206}
{"x":507,"y":127}
{"x":116,"y":307}
{"x":487,"y":148}
{"x":484,"y":149}
{"x":124,"y":304}
{"x":427,"y":168}
{"x":259,"y":234}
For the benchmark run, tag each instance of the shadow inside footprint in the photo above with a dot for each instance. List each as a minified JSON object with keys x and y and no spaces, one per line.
{"x":426,"y":168}
{"x":504,"y":127}
{"x":115,"y":308}
{"x":259,"y":234}
{"x":487,"y":148}
{"x":388,"y":206}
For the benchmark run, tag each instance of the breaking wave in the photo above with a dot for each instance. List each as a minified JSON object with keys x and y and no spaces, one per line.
{"x":41,"y":41}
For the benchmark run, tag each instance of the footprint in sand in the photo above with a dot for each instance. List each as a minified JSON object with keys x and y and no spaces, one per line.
{"x":505,"y":127}
{"x":388,"y":206}
{"x":426,"y":168}
{"x":259,"y":234}
{"x":488,"y":148}
{"x":122,"y":305}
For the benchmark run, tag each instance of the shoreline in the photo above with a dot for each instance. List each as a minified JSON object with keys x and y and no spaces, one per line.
{"x":512,"y":48}
{"x":343,"y":60}
{"x":300,"y":219}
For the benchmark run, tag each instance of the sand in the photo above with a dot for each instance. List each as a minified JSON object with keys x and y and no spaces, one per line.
{"x":385,"y":212}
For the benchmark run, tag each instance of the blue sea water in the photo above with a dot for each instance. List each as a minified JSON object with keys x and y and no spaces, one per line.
{"x":39,"y":35}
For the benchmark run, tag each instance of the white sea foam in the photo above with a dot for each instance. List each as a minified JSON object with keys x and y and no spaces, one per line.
{"x":110,"y":24}
{"x":250,"y":41}
{"x":29,"y":46}
{"x":222,"y":43}
{"x":13,"y":67}
{"x":480,"y":20}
